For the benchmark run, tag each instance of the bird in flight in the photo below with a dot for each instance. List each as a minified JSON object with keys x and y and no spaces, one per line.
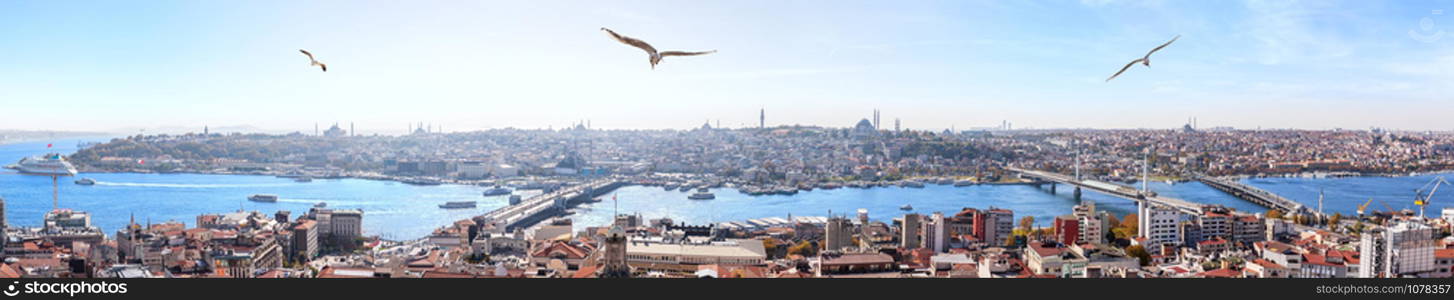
{"x":654,"y":56}
{"x":313,"y":62}
{"x":1145,"y":60}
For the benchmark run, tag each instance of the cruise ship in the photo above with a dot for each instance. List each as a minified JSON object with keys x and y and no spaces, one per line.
{"x":50,"y":164}
{"x":263,"y":198}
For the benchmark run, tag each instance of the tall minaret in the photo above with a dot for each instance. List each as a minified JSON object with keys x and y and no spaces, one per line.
{"x":875,"y":120}
{"x":762,"y":118}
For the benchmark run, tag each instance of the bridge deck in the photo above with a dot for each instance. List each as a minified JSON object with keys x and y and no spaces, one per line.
{"x":1112,"y":189}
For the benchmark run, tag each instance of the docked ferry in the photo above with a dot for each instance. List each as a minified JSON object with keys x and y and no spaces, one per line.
{"x":50,"y":165}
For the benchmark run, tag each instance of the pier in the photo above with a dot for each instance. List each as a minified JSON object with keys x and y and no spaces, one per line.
{"x":1107,"y":188}
{"x":547,"y":205}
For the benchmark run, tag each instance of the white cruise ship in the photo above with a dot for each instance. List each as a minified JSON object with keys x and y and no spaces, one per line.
{"x":50,"y":164}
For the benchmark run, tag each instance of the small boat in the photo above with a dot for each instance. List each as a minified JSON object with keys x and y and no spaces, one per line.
{"x":320,"y":204}
{"x":303,"y":179}
{"x":497,"y":191}
{"x":457,"y":204}
{"x":86,"y":181}
{"x":914,"y":184}
{"x":963,"y":183}
{"x":702,"y":194}
{"x":906,"y":207}
{"x":263,"y":198}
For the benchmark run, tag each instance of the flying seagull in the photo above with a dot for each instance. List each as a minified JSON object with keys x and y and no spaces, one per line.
{"x":1146,"y":60}
{"x":313,"y":62}
{"x":655,"y":56}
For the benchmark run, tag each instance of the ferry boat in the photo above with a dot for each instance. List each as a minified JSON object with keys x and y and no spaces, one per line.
{"x":702,"y":194}
{"x":50,"y":165}
{"x":86,"y":181}
{"x":496,"y":191}
{"x":263,"y":198}
{"x":457,"y":204}
{"x":906,"y":207}
{"x":320,"y":205}
{"x":303,"y":179}
{"x":422,"y":181}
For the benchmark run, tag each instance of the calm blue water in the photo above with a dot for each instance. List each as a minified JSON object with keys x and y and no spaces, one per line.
{"x":882,"y":203}
{"x":401,"y":211}
{"x":1344,"y":195}
{"x":391,"y":210}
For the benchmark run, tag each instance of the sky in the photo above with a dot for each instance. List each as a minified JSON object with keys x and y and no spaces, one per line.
{"x":128,"y":66}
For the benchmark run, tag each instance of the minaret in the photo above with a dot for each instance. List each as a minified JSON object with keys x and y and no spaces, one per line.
{"x":762,"y":118}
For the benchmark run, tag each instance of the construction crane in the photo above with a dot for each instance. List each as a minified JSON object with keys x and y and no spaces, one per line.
{"x":1364,"y":207}
{"x":1422,"y":199}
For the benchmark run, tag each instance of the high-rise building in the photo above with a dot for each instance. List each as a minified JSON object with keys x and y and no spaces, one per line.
{"x":994,"y":226}
{"x":837,"y":236}
{"x":936,"y":233}
{"x":909,"y":234}
{"x":1158,"y":224}
{"x":1401,"y":249}
{"x":1089,"y":223}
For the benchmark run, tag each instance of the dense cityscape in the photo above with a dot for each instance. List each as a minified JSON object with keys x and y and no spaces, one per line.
{"x":530,"y":238}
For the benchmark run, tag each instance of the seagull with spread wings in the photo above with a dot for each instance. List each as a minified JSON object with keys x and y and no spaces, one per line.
{"x":313,"y":62}
{"x":654,"y":56}
{"x":1145,"y":60}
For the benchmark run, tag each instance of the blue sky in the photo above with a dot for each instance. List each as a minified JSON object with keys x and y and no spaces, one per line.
{"x":122,"y":66}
